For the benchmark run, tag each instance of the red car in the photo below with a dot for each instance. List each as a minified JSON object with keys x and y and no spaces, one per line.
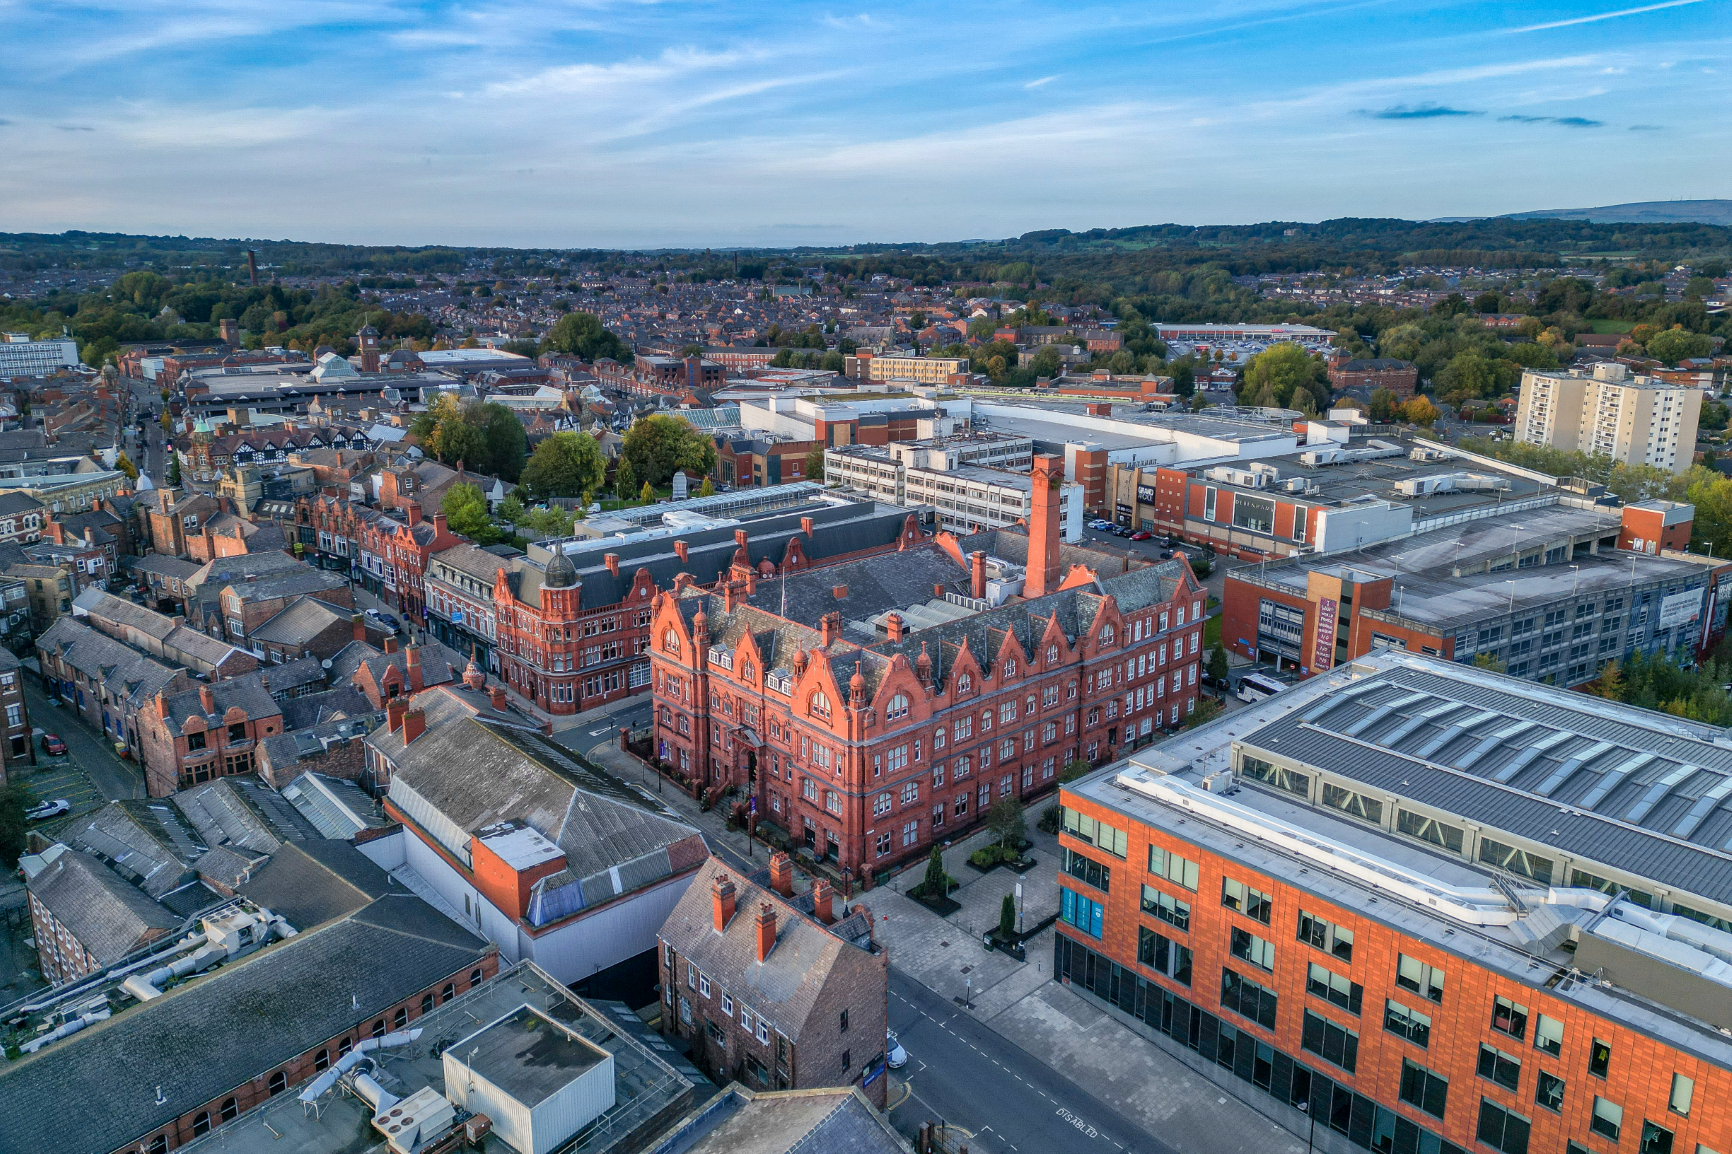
{"x":53,"y":745}
{"x":1142,"y":535}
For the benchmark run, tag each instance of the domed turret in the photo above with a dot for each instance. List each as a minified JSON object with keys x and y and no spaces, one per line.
{"x":857,"y":686}
{"x":923,"y":666}
{"x":473,"y":678}
{"x":561,"y":573}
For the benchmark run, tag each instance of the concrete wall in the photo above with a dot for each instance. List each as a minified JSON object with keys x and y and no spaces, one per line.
{"x":1353,"y":525}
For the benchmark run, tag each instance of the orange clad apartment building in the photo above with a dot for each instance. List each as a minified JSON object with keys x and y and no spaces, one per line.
{"x":1425,"y":907}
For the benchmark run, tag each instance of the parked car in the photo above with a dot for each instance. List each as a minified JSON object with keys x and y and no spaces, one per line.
{"x":48,"y":809}
{"x":53,"y":746}
{"x":894,"y":1055}
{"x":1166,"y":554}
{"x":385,"y":619}
{"x":1099,"y":525}
{"x":1142,"y":535}
{"x":1121,"y":531}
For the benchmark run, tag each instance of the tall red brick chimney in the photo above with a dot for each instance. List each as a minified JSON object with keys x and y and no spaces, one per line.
{"x":782,"y":874}
{"x":977,"y":583}
{"x":206,"y":699}
{"x":823,"y":907}
{"x":1043,"y":527}
{"x":766,"y":923}
{"x":414,"y":725}
{"x":723,"y":899}
{"x":412,"y":655}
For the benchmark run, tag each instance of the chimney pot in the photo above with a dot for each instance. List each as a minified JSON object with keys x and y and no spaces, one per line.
{"x":823,"y":907}
{"x":766,"y":930}
{"x":359,"y":625}
{"x":722,"y":895}
{"x":782,"y":874}
{"x":740,"y":538}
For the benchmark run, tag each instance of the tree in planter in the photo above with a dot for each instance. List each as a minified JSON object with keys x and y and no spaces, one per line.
{"x":1207,"y":710}
{"x":1217,"y":667}
{"x":1007,"y":918}
{"x":935,"y":884}
{"x":1073,"y":769}
{"x":1005,"y":821}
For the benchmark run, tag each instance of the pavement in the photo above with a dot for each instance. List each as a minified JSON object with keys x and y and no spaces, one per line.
{"x":999,"y":1051}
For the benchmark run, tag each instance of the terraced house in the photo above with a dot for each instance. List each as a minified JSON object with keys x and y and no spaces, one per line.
{"x":938,"y":680}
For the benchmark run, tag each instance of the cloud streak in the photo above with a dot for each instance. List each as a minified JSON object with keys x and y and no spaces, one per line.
{"x":1560,"y":121}
{"x":1597,"y":17}
{"x":1417,"y":112}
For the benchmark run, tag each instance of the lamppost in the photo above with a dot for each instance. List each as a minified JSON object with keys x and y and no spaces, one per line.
{"x":1311,"y":1134}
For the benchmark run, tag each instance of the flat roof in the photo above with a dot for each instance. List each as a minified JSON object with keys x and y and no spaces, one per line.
{"x":528,"y":1055}
{"x":651,"y":1081}
{"x":1615,"y":796}
{"x":1377,"y":477}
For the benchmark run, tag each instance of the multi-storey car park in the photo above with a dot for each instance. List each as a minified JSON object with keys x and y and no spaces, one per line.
{"x":1427,"y":908}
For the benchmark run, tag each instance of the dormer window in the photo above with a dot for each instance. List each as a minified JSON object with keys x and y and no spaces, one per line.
{"x":897,"y":708}
{"x":819,"y":705}
{"x":1107,"y":635}
{"x":1010,"y":668}
{"x":1052,"y":655}
{"x":671,"y":641}
{"x":963,"y":683}
{"x":746,"y":671}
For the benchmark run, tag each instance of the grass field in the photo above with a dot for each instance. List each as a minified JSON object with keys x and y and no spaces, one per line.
{"x":1610,"y":326}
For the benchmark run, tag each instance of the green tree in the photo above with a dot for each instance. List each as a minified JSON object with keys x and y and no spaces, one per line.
{"x":1045,"y":362}
{"x":1208,"y":708}
{"x":466,"y":514}
{"x":1675,"y":345}
{"x":647,"y":493}
{"x":506,"y":444}
{"x":173,"y":476}
{"x":814,"y":466}
{"x":567,"y":464}
{"x":15,"y":799}
{"x":624,"y":480}
{"x":1005,"y":821}
{"x":583,"y":335}
{"x":1280,"y":369}
{"x":125,"y":465}
{"x":1384,"y":405}
{"x":1217,"y":667}
{"x":936,"y":883}
{"x":659,"y":444}
{"x":1489,"y":661}
{"x":1007,"y":917}
{"x":833,"y":362}
{"x":707,"y":489}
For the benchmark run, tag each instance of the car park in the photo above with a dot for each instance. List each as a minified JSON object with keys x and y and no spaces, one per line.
{"x":53,"y":746}
{"x":1142,"y":535}
{"x":48,"y":809}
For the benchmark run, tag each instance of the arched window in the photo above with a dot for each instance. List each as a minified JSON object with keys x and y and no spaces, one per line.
{"x":474,"y":978}
{"x":279,"y":1082}
{"x":963,"y":683}
{"x":200,"y":1123}
{"x":898,"y":707}
{"x":1106,"y":635}
{"x":426,"y":1003}
{"x":322,"y":1060}
{"x":230,"y":1109}
{"x":671,"y":641}
{"x":344,"y":1047}
{"x":159,"y":1144}
{"x":449,"y":992}
{"x":1052,"y":655}
{"x":379,"y":1028}
{"x":746,"y":671}
{"x":819,"y":705}
{"x":401,"y":1019}
{"x":1010,"y":668}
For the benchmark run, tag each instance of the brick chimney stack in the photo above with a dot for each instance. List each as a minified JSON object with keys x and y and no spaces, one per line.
{"x":359,"y":625}
{"x":412,"y":655}
{"x":782,"y":874}
{"x":414,"y":725}
{"x":823,"y":907}
{"x":391,"y":644}
{"x":977,"y":583}
{"x":1043,"y":527}
{"x":611,"y":560}
{"x":723,"y":895}
{"x":394,"y":711}
{"x":206,"y":699}
{"x":766,"y":923}
{"x":680,"y":549}
{"x":893,"y":627}
{"x":496,"y":697}
{"x":412,"y":511}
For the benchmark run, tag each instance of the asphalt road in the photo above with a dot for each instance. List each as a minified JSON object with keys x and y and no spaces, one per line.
{"x":962,"y":1073}
{"x":90,"y":775}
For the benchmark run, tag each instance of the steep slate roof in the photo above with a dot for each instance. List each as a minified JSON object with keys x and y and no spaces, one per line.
{"x":121,"y":668}
{"x":316,"y":709}
{"x":876,"y":584}
{"x":200,"y":1040}
{"x":300,"y":621}
{"x":836,"y":530}
{"x":150,"y":843}
{"x":108,"y":916}
{"x":464,"y":774}
{"x":239,"y":812}
{"x":785,"y":986}
{"x":314,"y":882}
{"x":246,"y":692}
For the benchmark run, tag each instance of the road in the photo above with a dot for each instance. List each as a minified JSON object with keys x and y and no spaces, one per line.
{"x":90,"y":775}
{"x":963,"y":1073}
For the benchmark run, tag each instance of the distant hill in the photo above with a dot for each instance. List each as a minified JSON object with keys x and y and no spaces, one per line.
{"x":1641,"y":212}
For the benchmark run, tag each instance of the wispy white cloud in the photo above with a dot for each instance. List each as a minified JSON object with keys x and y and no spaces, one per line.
{"x":1598,"y":16}
{"x":1042,"y":82}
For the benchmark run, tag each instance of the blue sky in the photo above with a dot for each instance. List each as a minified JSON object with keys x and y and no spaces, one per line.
{"x":637,"y":123}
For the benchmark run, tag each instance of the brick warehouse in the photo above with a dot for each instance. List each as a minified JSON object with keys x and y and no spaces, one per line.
{"x":1439,"y":908}
{"x":937,"y":680}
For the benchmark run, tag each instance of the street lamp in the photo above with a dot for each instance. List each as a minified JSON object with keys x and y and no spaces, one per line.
{"x":1311,"y":1134}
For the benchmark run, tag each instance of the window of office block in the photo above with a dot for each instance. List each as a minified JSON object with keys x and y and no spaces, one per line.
{"x":1334,"y":988}
{"x":1331,"y":1042}
{"x":1504,"y":1069}
{"x":1509,"y":1017}
{"x":1426,"y":1089}
{"x":1410,"y":1024}
{"x":1501,"y":1129}
{"x":1326,"y":936}
{"x":1179,"y":870}
{"x":1253,"y":903}
{"x":1413,"y":974}
{"x":1549,"y":1092}
{"x":1251,"y":948}
{"x":1166,"y":907}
